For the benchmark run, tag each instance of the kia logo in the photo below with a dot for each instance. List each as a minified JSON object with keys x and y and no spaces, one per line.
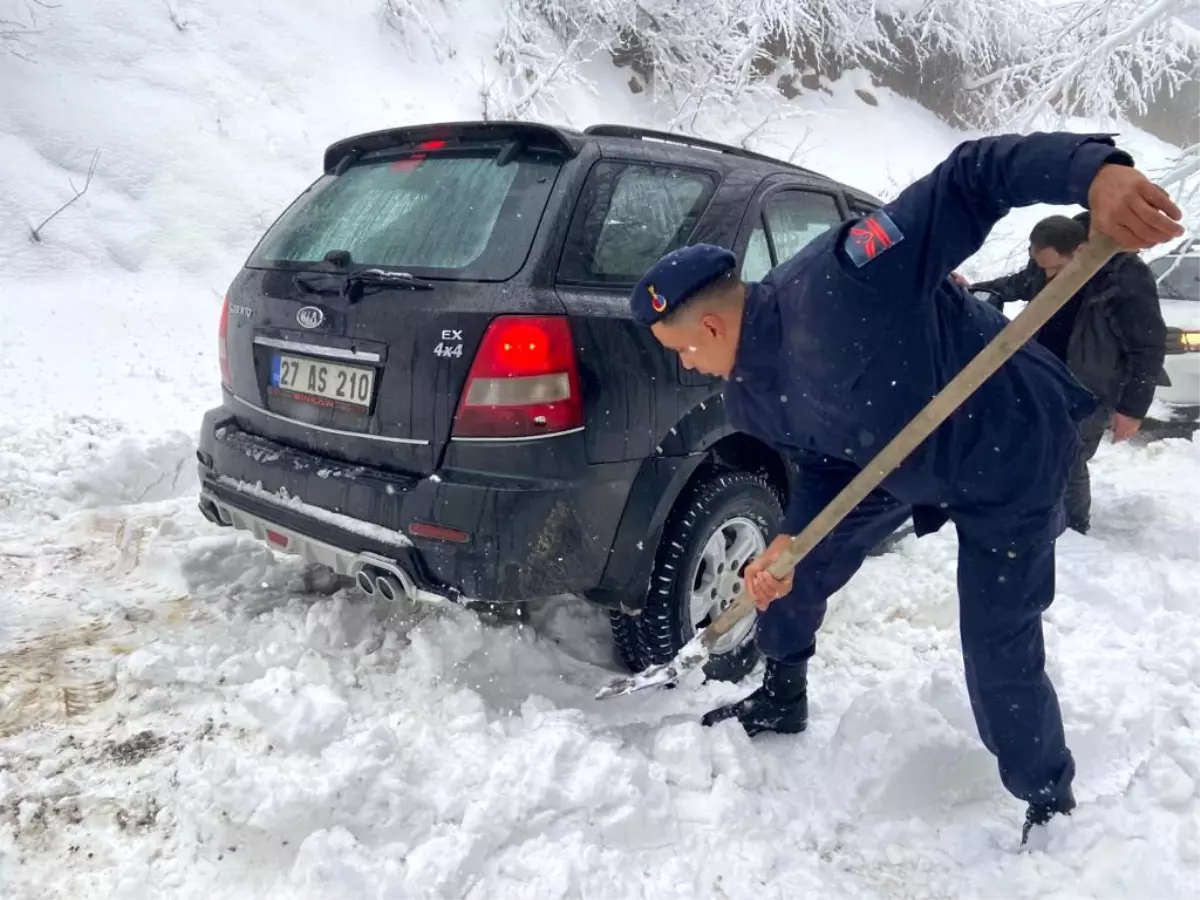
{"x":310,"y":317}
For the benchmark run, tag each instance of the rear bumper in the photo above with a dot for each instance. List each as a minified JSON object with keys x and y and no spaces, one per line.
{"x":1183,"y":370}
{"x":286,"y":530}
{"x":522,"y":537}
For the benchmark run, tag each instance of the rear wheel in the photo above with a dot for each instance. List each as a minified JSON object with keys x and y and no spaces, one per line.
{"x":721,"y":523}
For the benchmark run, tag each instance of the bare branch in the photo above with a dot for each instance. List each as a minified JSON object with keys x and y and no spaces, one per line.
{"x":405,"y":15}
{"x":1182,"y":179}
{"x":180,"y":24}
{"x":15,"y":35}
{"x":35,"y":234}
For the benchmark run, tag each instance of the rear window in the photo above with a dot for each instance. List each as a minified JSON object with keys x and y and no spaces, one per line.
{"x":1178,"y":277}
{"x":630,"y":215}
{"x":448,"y":215}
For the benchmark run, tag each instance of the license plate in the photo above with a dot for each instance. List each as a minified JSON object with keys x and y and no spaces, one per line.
{"x":324,"y":383}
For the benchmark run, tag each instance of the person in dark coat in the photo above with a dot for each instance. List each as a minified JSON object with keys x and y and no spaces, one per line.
{"x":839,"y":347}
{"x":1111,"y":335}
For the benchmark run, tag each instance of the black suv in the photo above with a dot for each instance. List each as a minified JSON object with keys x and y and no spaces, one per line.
{"x":432,"y":384}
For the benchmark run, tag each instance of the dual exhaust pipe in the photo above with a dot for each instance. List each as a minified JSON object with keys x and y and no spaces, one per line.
{"x":373,"y":581}
{"x":377,"y":576}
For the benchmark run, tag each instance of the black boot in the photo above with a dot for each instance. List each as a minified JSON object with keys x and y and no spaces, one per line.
{"x":781,"y":704}
{"x":1039,"y":814}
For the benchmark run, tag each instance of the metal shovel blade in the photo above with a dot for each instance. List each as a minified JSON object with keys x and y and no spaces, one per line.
{"x":694,"y":654}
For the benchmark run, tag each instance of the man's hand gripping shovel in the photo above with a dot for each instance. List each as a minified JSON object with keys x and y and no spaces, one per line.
{"x":1049,"y":300}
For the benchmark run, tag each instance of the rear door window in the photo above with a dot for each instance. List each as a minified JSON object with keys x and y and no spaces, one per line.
{"x":789,"y":221}
{"x":628,"y":216}
{"x":445,"y":215}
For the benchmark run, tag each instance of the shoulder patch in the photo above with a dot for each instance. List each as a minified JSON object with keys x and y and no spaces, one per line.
{"x":871,"y":236}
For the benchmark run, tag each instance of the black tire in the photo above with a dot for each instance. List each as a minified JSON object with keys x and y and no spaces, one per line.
{"x":734,"y":501}
{"x":625,"y":637}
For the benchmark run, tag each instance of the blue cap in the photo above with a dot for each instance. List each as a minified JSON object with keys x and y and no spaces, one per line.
{"x":676,"y":277}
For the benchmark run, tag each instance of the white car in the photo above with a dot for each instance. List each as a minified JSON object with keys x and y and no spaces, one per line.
{"x":1178,"y":277}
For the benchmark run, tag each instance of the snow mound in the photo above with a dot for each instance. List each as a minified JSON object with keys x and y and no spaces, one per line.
{"x":91,"y":463}
{"x":907,"y":748}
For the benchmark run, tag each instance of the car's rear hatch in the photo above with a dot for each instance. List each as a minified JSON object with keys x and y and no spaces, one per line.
{"x":353,"y":327}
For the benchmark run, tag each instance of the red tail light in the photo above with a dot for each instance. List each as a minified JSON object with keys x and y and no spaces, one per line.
{"x":524,"y":381}
{"x":223,"y":344}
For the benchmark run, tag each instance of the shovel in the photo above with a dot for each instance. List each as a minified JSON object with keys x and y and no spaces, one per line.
{"x":1050,"y":299}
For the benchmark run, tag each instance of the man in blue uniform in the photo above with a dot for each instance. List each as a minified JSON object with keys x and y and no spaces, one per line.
{"x":836,"y":349}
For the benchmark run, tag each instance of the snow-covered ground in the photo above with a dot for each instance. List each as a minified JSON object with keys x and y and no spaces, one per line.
{"x":234,"y":732}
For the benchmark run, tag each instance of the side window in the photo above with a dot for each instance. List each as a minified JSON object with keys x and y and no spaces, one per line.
{"x":629,"y":215}
{"x":789,"y":221}
{"x":757,"y":261}
{"x":794,"y":218}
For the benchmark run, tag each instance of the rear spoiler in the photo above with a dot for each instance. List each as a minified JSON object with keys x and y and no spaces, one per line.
{"x":532,"y":135}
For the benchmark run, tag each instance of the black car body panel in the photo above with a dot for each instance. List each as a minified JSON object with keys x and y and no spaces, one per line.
{"x":394,"y":333}
{"x":347,"y":281}
{"x":542,"y":531}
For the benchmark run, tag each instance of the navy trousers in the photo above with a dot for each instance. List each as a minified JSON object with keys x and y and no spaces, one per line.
{"x":1005,"y":583}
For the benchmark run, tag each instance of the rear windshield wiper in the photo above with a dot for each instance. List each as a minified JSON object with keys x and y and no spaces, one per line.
{"x":390,"y":279}
{"x":353,"y":285}
{"x":358,"y":282}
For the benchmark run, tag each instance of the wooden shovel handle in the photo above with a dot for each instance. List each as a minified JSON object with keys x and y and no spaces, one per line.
{"x":1049,"y":300}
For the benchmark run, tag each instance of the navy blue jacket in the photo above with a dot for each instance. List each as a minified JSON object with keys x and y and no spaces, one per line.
{"x":838,"y":352}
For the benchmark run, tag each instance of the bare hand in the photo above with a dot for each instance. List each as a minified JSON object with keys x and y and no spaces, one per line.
{"x":960,"y":279}
{"x":764,"y":587}
{"x":1124,"y":427}
{"x":1131,"y":209}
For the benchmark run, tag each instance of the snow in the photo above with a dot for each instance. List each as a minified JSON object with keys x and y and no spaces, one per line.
{"x":237,"y":732}
{"x":366,"y":529}
{"x":313,"y":746}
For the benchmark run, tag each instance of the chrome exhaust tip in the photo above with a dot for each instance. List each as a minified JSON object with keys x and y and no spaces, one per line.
{"x":381,"y":577}
{"x":365,"y":582}
{"x":390,"y":588}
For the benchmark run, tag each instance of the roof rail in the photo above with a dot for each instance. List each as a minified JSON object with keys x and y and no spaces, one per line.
{"x":629,"y":131}
{"x":532,"y":133}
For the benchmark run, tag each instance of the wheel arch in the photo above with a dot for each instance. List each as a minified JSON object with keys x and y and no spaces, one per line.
{"x":658,"y":486}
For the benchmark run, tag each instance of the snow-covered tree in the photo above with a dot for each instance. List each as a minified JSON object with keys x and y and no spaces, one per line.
{"x":1099,"y":58}
{"x":697,"y":54}
{"x":986,"y":63}
{"x":541,"y":44}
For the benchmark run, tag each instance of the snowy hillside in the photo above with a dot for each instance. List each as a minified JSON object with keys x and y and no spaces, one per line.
{"x":238,"y":734}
